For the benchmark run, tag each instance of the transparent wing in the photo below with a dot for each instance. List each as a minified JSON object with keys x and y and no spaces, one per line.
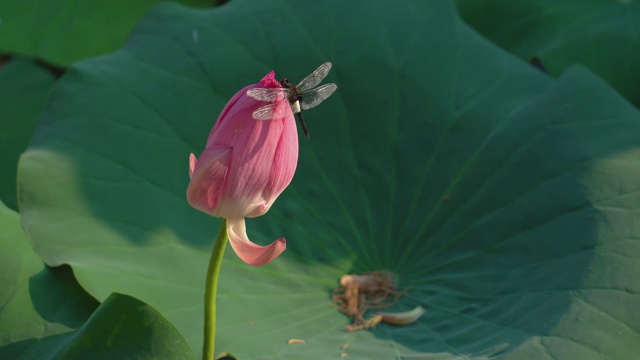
{"x":276,"y":110}
{"x":264,"y":112}
{"x":315,"y":77}
{"x":314,"y":97}
{"x":268,"y":94}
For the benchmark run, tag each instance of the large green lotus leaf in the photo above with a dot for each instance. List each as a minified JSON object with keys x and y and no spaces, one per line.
{"x":507,"y":199}
{"x":39,"y":307}
{"x":125,"y":328}
{"x":600,"y":34}
{"x":24,"y":89}
{"x":64,"y":31}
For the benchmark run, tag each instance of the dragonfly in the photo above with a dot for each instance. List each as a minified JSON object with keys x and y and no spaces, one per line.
{"x":305,"y":95}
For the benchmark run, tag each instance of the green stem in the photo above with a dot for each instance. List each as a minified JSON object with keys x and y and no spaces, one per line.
{"x":211,"y":290}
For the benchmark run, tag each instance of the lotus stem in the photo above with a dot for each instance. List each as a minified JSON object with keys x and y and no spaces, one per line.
{"x":211,"y":291}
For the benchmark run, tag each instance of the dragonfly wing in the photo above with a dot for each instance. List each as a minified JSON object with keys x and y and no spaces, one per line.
{"x":314,"y":97}
{"x":315,"y":77}
{"x":264,"y":113}
{"x":268,"y":94}
{"x":277,"y":110}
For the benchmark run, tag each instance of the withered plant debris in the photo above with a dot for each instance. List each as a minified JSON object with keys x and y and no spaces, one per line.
{"x":358,"y":294}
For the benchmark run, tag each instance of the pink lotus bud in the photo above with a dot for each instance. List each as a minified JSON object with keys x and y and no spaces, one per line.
{"x":245,"y":165}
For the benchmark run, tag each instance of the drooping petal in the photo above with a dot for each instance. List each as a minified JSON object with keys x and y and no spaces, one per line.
{"x":247,"y":251}
{"x":208,"y":177}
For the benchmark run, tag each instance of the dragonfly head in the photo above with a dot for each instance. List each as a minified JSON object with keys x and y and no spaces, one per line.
{"x":285,"y":83}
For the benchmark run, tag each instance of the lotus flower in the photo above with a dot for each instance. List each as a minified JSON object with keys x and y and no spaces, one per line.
{"x":246,"y":164}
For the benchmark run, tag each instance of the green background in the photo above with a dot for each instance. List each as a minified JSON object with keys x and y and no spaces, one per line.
{"x":505,"y":195}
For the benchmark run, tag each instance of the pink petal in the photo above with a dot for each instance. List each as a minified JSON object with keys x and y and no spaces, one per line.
{"x":208,"y":179}
{"x":265,"y":154}
{"x":192,"y":164}
{"x":284,"y":162}
{"x":249,"y":252}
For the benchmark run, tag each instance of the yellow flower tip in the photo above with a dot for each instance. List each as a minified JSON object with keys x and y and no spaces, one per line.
{"x":402,"y":318}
